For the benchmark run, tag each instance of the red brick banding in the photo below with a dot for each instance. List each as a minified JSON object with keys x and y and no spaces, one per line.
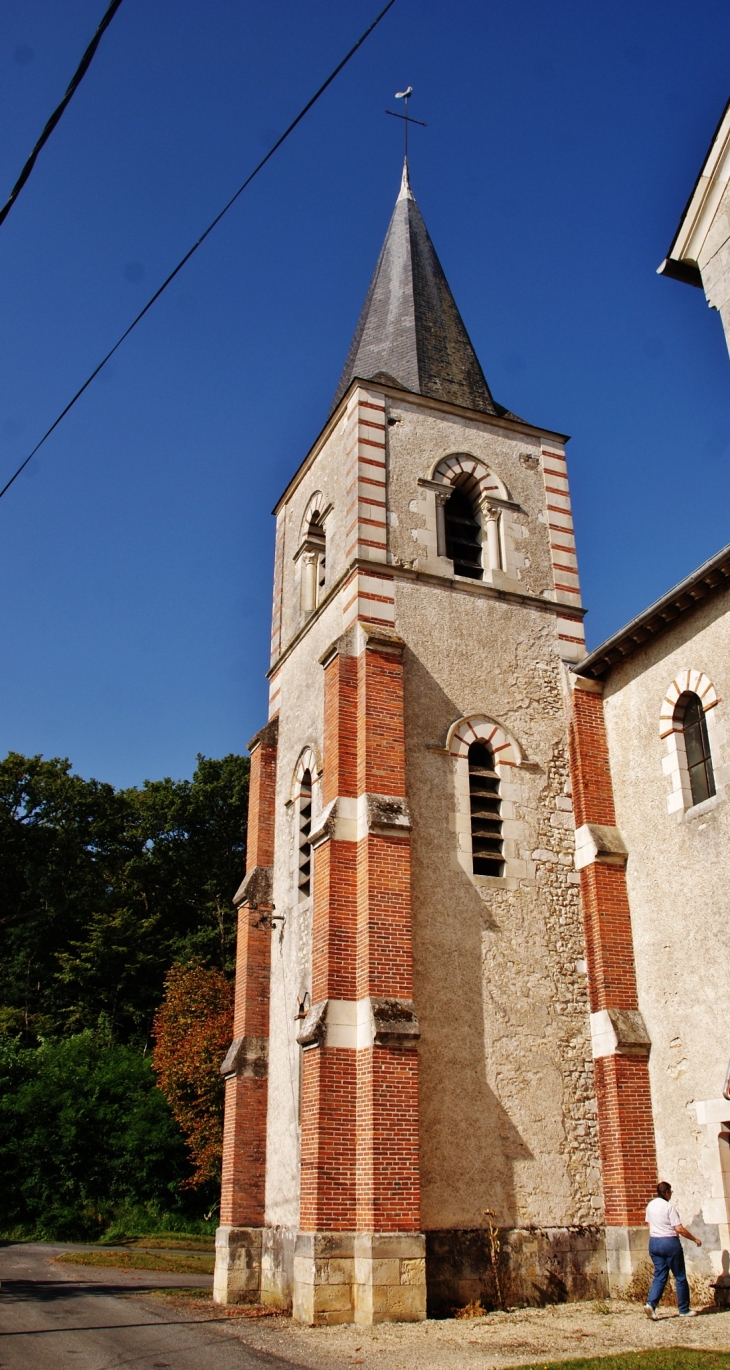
{"x":623,"y":1097}
{"x":244,"y":1128}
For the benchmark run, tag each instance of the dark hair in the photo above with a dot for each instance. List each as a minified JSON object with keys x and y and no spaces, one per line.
{"x":663,"y":1189}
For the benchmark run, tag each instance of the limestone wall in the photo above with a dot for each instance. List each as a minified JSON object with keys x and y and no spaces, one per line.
{"x":678,"y":873}
{"x":507,"y":1109}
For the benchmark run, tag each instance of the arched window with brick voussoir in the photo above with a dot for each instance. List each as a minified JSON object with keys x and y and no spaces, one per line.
{"x":690,"y":718}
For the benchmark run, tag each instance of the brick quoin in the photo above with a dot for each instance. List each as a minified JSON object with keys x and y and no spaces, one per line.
{"x":388,"y":1177}
{"x":388,"y":1174}
{"x":360,"y":1164}
{"x":623,"y":1096}
{"x":246,"y":1098}
{"x":329,"y":1087}
{"x":340,"y":728}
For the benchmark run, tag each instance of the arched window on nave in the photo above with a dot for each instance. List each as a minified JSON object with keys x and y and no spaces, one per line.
{"x":690,"y":717}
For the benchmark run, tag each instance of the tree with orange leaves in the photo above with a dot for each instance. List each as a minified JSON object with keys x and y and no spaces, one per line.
{"x":192,"y":1032}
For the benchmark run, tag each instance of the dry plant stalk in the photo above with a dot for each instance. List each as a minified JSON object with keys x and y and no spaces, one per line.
{"x":471,"y":1310}
{"x":495,"y":1247}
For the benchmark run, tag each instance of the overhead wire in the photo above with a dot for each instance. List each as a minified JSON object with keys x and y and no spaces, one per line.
{"x":76,"y":80}
{"x":199,"y":242}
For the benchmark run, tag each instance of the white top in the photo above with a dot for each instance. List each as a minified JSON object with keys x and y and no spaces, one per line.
{"x":662,"y":1218}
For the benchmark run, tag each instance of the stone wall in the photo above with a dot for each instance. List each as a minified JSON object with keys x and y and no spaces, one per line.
{"x":514,"y":1267}
{"x":677,"y":875}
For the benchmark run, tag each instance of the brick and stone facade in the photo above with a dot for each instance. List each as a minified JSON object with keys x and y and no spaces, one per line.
{"x":654,"y":862}
{"x":428,"y":1066}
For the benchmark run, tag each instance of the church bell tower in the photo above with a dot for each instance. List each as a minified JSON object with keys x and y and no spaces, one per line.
{"x":411,"y":1044}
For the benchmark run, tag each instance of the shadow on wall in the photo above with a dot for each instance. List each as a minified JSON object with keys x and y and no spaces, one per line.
{"x":469,"y":1146}
{"x":534,"y":1267}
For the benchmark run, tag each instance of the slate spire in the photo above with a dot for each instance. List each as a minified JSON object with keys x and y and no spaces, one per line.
{"x":410,"y":331}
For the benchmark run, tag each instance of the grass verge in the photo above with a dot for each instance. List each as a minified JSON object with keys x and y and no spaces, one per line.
{"x":668,"y":1358}
{"x":189,"y":1264}
{"x":165,"y":1241}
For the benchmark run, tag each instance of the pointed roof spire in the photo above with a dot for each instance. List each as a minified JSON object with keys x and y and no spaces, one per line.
{"x":410,"y":331}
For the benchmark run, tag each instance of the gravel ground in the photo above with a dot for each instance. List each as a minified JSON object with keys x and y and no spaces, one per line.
{"x":496,"y":1340}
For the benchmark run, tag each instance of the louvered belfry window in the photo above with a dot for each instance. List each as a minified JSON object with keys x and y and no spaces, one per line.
{"x":305,"y":827}
{"x":697,"y":750}
{"x":486,"y":812}
{"x":463,"y":540}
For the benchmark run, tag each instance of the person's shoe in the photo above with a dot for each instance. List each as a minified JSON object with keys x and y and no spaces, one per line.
{"x":650,"y":1312}
{"x":691,"y":1313}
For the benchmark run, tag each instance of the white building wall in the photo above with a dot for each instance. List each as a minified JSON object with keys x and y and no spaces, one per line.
{"x":678,"y":877}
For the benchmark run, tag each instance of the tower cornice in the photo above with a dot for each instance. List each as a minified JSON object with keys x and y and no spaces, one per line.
{"x":491,"y":422}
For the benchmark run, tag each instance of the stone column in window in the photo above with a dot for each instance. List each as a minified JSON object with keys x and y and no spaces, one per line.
{"x":309,"y":581}
{"x":490,"y":523}
{"x":441,"y":498}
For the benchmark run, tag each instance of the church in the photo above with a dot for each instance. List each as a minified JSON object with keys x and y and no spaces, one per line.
{"x":442,"y":1084}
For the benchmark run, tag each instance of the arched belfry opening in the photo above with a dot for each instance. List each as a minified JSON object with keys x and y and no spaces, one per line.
{"x":463,"y":529}
{"x":487,"y":844}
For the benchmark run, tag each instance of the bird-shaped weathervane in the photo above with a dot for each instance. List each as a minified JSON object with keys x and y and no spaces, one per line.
{"x":405,"y":96}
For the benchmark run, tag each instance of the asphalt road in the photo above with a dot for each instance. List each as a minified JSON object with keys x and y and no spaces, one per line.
{"x":54,"y":1316}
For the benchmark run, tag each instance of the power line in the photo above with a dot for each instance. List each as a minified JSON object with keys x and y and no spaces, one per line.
{"x":76,"y":80}
{"x":200,"y":240}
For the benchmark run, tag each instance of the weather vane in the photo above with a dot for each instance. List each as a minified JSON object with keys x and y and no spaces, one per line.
{"x":405,"y":96}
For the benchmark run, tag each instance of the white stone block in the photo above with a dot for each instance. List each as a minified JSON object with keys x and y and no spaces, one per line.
{"x":713,"y":1111}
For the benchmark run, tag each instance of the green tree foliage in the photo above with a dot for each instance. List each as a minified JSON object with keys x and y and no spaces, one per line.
{"x":101,"y":890}
{"x":84,"y":1132}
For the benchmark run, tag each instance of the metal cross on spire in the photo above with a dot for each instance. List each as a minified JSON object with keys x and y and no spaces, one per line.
{"x":405,"y":96}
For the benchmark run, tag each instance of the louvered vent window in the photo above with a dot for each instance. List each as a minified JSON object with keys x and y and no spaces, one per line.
{"x":305,"y":827}
{"x":463,"y":542}
{"x":697,"y":749}
{"x":486,"y":812}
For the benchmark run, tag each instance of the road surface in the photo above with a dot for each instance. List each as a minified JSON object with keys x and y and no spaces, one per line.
{"x":80,"y":1317}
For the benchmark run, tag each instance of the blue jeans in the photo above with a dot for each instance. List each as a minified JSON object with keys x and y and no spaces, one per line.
{"x":667,"y":1254}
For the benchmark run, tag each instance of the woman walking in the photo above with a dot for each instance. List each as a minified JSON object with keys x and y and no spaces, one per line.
{"x":665,"y":1229}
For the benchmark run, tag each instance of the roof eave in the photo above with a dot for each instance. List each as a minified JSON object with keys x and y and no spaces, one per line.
{"x":711,"y":576}
{"x":680,"y":264}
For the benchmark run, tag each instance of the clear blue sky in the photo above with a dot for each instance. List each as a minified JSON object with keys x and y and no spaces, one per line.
{"x":563,"y":140}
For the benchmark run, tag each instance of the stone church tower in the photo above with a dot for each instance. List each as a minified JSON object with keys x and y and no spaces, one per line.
{"x":412,"y":1051}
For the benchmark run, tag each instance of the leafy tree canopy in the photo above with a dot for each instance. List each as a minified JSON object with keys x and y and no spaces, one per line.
{"x":83,"y":1132}
{"x":102,"y":890}
{"x":192,"y":1031}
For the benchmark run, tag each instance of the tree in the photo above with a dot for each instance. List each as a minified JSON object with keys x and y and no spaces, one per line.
{"x":83,"y":1131}
{"x":101,"y":890}
{"x":192,"y":1031}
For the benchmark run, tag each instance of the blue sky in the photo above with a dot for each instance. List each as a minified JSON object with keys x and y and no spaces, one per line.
{"x":563,"y":140}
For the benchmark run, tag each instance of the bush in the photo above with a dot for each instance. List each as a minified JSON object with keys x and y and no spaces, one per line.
{"x":85,"y":1134}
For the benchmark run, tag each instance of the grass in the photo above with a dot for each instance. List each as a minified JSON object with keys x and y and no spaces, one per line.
{"x":188,"y":1264}
{"x":669,"y":1358}
{"x":165,"y":1241}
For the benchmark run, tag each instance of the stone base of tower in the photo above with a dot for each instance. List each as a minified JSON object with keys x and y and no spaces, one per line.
{"x":361,"y":1277}
{"x":627,"y":1259}
{"x":237,"y":1277}
{"x":519,"y":1267}
{"x":323,"y":1277}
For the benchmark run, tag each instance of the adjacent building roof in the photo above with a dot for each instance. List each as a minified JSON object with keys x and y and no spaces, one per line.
{"x":711,"y":576}
{"x":410,"y":332}
{"x":699,"y":212}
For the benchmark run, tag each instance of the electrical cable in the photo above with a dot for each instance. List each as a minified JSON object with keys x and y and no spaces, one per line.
{"x":76,"y":80}
{"x":200,"y":240}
